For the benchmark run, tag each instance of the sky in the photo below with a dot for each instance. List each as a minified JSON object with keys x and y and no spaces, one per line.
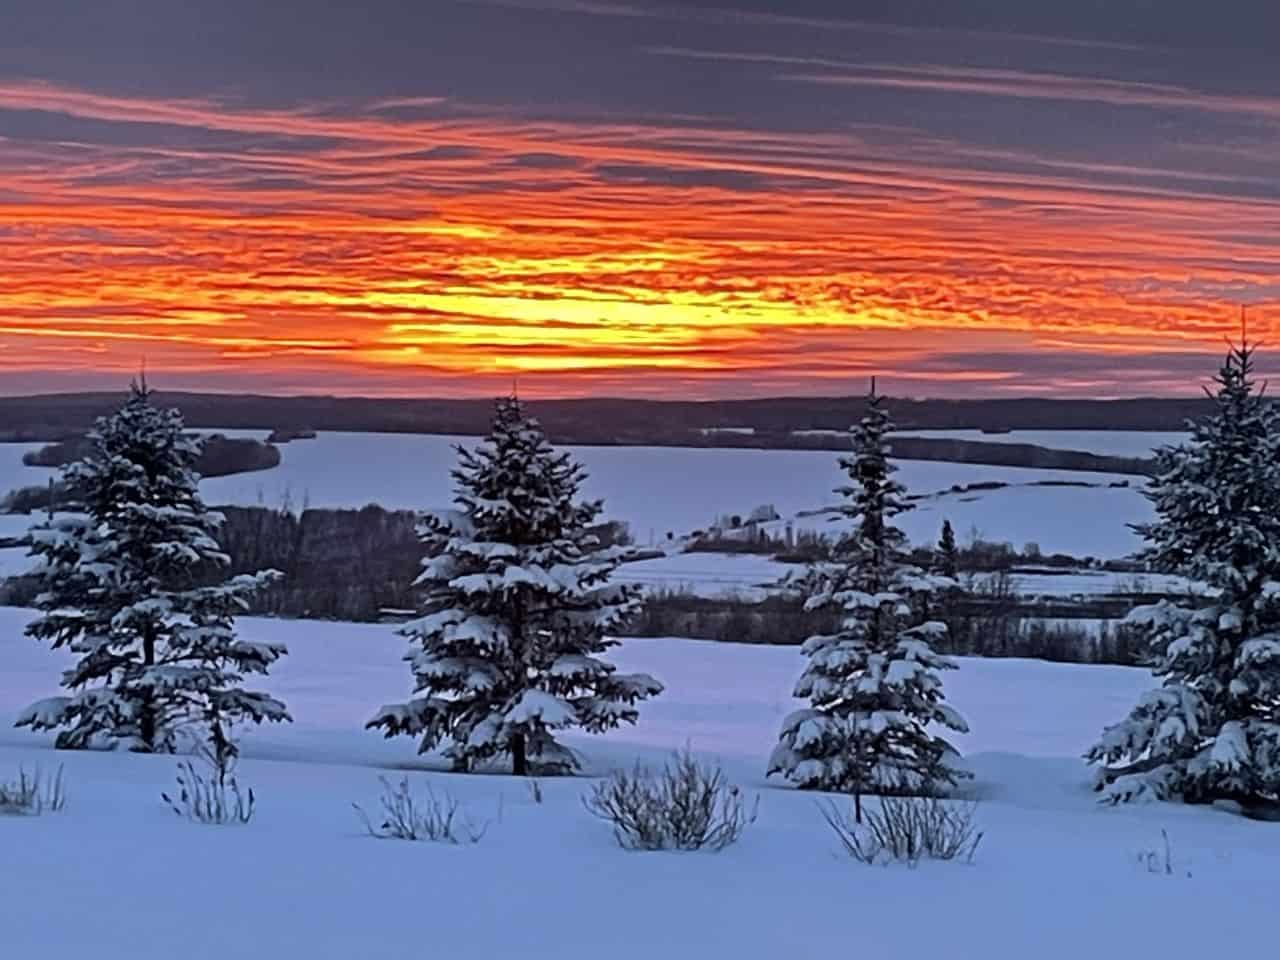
{"x":636,"y":198}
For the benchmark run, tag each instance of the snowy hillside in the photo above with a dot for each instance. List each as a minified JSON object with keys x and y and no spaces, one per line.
{"x":1056,"y":876}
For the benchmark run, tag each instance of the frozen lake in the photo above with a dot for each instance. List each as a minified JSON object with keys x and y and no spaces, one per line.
{"x":678,"y":489}
{"x":660,"y":489}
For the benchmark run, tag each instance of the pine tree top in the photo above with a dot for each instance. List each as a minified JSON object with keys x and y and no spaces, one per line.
{"x":872,"y":497}
{"x":140,"y":454}
{"x":516,"y":488}
{"x":1217,"y":496}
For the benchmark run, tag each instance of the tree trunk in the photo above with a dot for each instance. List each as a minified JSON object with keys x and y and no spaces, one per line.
{"x":519,"y":756}
{"x":147,"y":718}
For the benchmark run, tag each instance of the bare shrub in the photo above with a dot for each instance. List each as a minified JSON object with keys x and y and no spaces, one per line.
{"x":215,"y":798}
{"x":907,"y":830}
{"x":685,"y":806}
{"x":439,"y":819}
{"x":33,"y":794}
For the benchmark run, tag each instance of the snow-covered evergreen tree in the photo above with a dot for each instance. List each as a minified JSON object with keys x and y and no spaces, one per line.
{"x":873,"y":686}
{"x":1212,"y":729}
{"x":518,"y":609}
{"x":125,"y":587}
{"x":948,"y":562}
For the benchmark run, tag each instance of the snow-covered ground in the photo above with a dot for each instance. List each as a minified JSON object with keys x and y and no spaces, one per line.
{"x":659,"y":490}
{"x":116,"y":875}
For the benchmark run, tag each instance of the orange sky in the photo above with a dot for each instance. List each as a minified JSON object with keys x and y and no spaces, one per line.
{"x":429,"y":243}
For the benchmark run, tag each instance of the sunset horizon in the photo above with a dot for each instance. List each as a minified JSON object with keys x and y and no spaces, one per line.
{"x":636,"y":200}
{"x":639,"y":479}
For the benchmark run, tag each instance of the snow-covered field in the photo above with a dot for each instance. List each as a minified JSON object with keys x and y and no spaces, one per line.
{"x":677,"y":490}
{"x":117,"y":875}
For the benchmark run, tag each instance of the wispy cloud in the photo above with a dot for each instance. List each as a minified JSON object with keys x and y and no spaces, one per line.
{"x":419,"y":238}
{"x":1019,"y":84}
{"x":736,"y":16}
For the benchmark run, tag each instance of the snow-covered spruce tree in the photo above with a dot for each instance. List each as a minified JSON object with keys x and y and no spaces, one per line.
{"x":125,"y":588}
{"x":948,"y":562}
{"x":1211,"y":731}
{"x":873,"y":686}
{"x":948,"y":604}
{"x":518,"y":608}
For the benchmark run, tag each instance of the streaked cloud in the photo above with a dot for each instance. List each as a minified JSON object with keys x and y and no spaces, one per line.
{"x":744,"y":201}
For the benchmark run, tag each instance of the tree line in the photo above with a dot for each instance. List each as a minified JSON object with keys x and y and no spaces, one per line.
{"x":518,"y":609}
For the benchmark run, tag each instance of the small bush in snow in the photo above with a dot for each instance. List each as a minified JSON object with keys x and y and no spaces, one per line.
{"x":685,"y":806}
{"x":439,"y":819}
{"x":216,"y":798}
{"x":907,"y":830}
{"x":33,"y":794}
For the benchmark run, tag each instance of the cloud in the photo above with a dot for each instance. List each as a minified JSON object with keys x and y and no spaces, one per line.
{"x":951,"y":225}
{"x":729,"y":15}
